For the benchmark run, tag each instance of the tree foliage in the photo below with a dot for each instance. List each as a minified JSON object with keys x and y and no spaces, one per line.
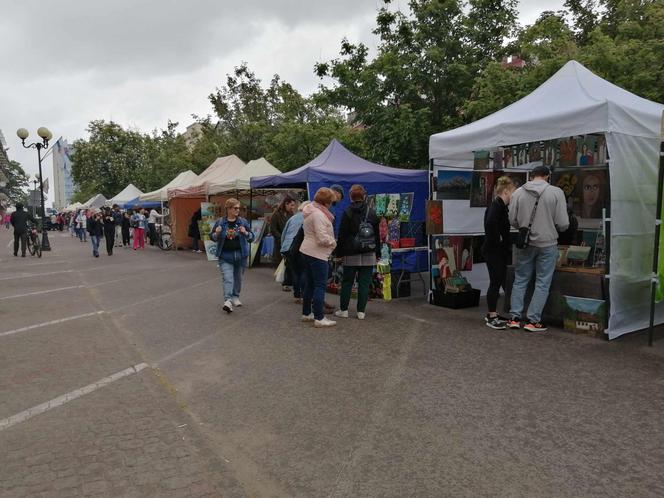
{"x":17,"y":183}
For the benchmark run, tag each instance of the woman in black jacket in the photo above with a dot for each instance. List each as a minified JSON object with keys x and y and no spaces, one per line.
{"x":359,"y":251}
{"x":194,"y":232}
{"x":497,"y":247}
{"x":109,"y":230}
{"x":95,"y":229}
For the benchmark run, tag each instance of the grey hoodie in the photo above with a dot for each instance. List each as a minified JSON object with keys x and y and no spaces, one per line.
{"x":551,"y":216}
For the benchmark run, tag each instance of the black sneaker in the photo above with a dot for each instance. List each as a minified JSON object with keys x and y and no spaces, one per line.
{"x":514,"y":322}
{"x":535,"y":327}
{"x":487,"y":317}
{"x":496,"y":323}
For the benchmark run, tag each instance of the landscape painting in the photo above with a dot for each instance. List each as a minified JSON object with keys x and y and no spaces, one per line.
{"x":454,"y":185}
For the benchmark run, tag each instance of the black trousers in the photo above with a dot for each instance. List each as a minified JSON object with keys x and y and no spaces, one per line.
{"x":152,"y":233}
{"x":110,"y":241}
{"x":23,"y":237}
{"x":497,"y":266}
{"x":125,"y":236}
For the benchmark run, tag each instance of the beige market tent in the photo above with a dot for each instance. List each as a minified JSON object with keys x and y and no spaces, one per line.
{"x":94,"y":202}
{"x":184,"y":178}
{"x":257,"y":167}
{"x":129,"y":193}
{"x":223,"y":169}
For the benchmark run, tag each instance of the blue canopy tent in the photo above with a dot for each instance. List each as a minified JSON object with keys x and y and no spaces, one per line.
{"x":336,"y":164}
{"x":141,"y":204}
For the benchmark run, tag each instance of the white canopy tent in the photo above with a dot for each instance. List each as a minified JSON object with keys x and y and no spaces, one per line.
{"x":241,"y":181}
{"x":184,"y":178}
{"x":574,"y":101}
{"x":94,"y":202}
{"x":73,"y":207}
{"x":129,"y":193}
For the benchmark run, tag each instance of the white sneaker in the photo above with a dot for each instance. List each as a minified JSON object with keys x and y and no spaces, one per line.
{"x":360,"y":315}
{"x":308,"y":318}
{"x":236,"y":302}
{"x":341,"y":313}
{"x":325,"y":322}
{"x":228,"y":306}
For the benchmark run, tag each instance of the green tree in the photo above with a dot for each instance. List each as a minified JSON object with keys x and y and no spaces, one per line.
{"x":275,"y":122}
{"x":423,"y":74}
{"x":17,"y":183}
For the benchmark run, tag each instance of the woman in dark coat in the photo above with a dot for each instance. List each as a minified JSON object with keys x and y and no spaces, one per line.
{"x":194,"y":231}
{"x":357,"y":262}
{"x":126,"y":225}
{"x":109,"y":230}
{"x":95,"y":227}
{"x":279,"y":218}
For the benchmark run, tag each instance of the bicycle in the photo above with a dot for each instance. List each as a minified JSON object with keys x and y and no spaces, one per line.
{"x":34,"y":242}
{"x":164,"y":240}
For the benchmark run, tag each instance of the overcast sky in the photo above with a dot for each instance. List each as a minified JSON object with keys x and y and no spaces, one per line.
{"x":142,"y":62}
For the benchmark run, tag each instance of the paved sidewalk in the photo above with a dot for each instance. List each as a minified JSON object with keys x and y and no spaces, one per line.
{"x":413,"y":401}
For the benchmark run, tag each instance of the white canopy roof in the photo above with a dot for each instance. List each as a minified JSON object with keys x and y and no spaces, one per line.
{"x":95,"y":201}
{"x":257,"y":167}
{"x":221,"y":170}
{"x":130,"y":192}
{"x":574,"y":101}
{"x":73,"y":207}
{"x":184,"y":178}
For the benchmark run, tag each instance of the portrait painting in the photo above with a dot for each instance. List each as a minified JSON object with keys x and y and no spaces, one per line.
{"x":593,"y":186}
{"x":567,"y":152}
{"x":481,"y":188}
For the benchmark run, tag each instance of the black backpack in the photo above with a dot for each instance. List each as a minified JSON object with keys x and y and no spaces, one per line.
{"x":365,"y":238}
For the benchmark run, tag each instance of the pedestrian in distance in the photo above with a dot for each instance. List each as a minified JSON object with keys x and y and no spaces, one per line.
{"x":497,"y":248}
{"x":19,"y":220}
{"x":290,"y":250}
{"x":81,"y":226}
{"x":358,"y":246}
{"x":233,"y":234}
{"x":152,"y":224}
{"x":95,"y":227}
{"x":125,"y":227}
{"x":117,"y":216}
{"x":280,"y":216}
{"x":194,"y":232}
{"x":318,"y":244}
{"x":109,"y":230}
{"x":539,"y":211}
{"x":139,"y":224}
{"x":72,"y":224}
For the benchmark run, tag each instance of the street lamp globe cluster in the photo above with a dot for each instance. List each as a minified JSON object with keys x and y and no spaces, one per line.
{"x":45,"y":136}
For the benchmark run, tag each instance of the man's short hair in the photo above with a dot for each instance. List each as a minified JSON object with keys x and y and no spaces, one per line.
{"x":19,"y":206}
{"x":540,"y":172}
{"x":338,"y":189}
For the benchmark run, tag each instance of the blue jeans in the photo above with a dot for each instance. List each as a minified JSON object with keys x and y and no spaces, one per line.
{"x":230,"y":266}
{"x":542,"y":261}
{"x":95,"y":244}
{"x":315,"y":281}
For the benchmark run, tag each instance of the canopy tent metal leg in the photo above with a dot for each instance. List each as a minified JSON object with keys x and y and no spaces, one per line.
{"x":655,"y":256}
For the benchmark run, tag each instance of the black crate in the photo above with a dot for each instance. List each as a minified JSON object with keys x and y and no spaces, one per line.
{"x":404,"y":288}
{"x":457,"y":300}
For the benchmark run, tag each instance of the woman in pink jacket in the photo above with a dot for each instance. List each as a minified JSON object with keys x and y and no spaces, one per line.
{"x":316,"y":248}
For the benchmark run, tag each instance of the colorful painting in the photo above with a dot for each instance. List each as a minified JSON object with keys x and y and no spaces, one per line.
{"x":258,"y":227}
{"x":567,"y":150}
{"x":393,"y":233}
{"x":534,"y":152}
{"x":498,"y":159}
{"x":593,"y":187}
{"x":392,"y":210}
{"x":508,"y":158}
{"x":550,"y":151}
{"x":405,"y":206}
{"x":434,"y":214}
{"x":569,"y":184}
{"x":481,"y":188}
{"x":454,"y":184}
{"x":585,"y":316}
{"x":381,"y":204}
{"x":601,"y":155}
{"x":458,"y":250}
{"x":520,"y":153}
{"x":586,"y":148}
{"x":210,"y":212}
{"x":481,"y":159}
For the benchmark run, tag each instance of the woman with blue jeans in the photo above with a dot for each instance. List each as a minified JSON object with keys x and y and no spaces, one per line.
{"x":316,"y":248}
{"x":233,"y":235}
{"x":95,"y":227}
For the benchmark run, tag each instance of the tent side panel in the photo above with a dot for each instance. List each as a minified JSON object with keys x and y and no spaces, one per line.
{"x":182,"y":209}
{"x":633,"y":175}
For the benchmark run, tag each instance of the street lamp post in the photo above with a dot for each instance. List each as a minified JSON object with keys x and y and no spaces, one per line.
{"x":45,"y":135}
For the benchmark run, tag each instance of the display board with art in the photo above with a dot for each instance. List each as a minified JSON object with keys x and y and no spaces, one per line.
{"x":210,"y":212}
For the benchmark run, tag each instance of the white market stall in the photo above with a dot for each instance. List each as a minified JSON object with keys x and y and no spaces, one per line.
{"x":576,"y":102}
{"x":185,"y":178}
{"x":128,"y":193}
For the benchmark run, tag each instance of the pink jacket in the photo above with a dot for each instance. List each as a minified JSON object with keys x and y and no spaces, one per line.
{"x":318,"y":234}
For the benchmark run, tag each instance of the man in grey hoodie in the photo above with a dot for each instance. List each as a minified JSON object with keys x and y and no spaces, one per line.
{"x":542,"y":253}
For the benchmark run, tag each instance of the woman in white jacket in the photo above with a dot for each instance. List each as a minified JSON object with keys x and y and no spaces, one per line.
{"x":82,"y":226}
